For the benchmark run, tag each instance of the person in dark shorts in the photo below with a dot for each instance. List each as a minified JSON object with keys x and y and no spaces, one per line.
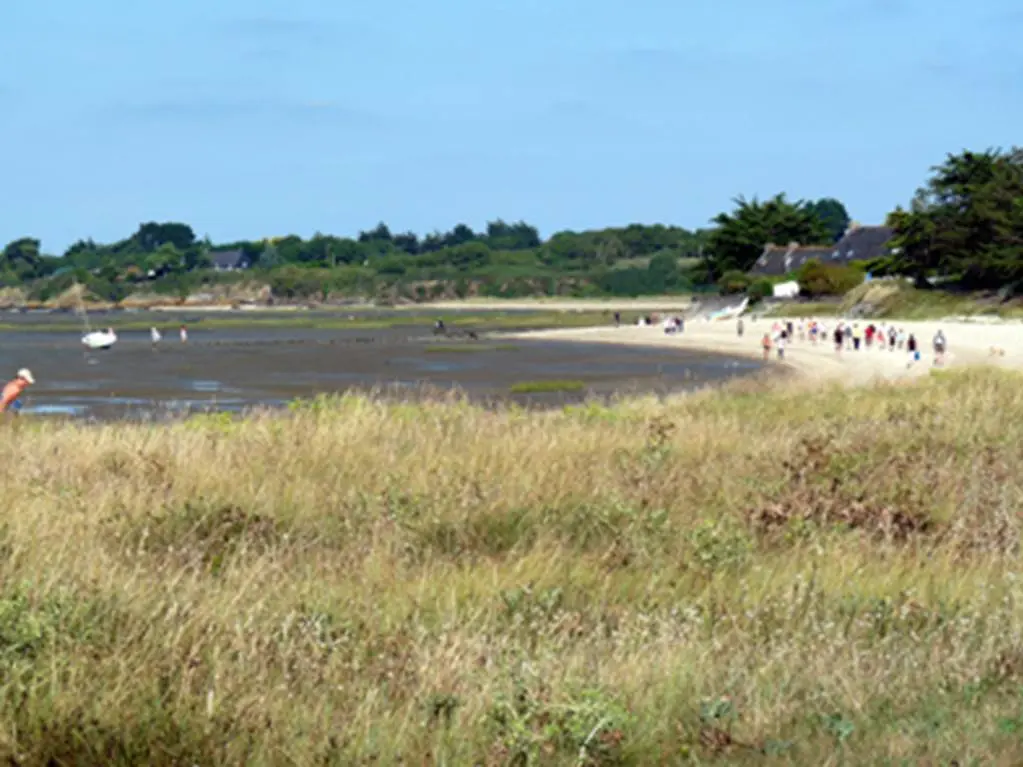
{"x":913,"y":349}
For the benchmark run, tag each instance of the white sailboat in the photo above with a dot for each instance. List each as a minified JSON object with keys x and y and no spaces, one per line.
{"x":93,"y":339}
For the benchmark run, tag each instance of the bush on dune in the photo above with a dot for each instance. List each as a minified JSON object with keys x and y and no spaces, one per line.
{"x":817,"y":279}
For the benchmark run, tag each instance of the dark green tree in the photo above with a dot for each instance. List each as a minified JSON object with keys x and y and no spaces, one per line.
{"x":407,"y":242}
{"x":152,"y":235}
{"x":833,"y":214}
{"x":517,"y":236}
{"x":22,"y":260}
{"x":664,"y":271}
{"x":460,"y":235}
{"x":741,"y":235}
{"x":379,"y":234}
{"x":967,"y":222}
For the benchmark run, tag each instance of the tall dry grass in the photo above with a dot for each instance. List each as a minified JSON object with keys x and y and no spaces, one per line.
{"x":749,"y":575}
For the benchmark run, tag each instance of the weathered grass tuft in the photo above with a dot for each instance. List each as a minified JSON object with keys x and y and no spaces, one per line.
{"x":762,"y":572}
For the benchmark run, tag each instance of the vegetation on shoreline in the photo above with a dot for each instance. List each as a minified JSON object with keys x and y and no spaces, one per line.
{"x":756,"y":572}
{"x":467,"y":320}
{"x":166,"y":262}
{"x":961,"y":230}
{"x":895,"y":300}
{"x":546,"y":387}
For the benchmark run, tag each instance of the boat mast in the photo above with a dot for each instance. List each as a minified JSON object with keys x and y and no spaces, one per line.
{"x":81,"y":306}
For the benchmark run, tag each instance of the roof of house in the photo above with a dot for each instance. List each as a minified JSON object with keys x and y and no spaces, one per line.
{"x":859,"y":243}
{"x":862,"y":243}
{"x":228,"y":259}
{"x":782,"y":259}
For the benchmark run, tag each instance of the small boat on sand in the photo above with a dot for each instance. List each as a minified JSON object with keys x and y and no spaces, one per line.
{"x":93,"y":339}
{"x":100,"y":339}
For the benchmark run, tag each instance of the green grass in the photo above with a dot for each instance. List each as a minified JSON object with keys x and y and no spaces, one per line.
{"x":887,"y":300}
{"x":546,"y":387}
{"x":805,"y":309}
{"x":911,"y":304}
{"x":770,"y":573}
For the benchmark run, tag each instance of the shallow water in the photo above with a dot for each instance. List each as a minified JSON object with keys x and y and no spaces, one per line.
{"x":240,"y":368}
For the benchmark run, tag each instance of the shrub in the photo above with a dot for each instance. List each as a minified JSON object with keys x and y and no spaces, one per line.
{"x":733,"y":282}
{"x":759,"y":290}
{"x":817,"y":279}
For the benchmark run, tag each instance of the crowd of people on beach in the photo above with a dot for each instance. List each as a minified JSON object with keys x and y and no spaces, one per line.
{"x":846,"y":336}
{"x":672,"y":324}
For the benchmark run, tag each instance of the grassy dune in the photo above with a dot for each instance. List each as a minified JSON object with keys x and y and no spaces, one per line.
{"x":891,"y":300}
{"x":752,"y":575}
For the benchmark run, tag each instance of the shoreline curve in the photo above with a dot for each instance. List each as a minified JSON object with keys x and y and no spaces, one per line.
{"x":969,"y":344}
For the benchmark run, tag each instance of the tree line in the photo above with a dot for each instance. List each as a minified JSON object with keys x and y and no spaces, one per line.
{"x":962,"y":229}
{"x":964,"y":225}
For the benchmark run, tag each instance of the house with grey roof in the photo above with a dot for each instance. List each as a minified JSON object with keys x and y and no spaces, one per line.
{"x":863,"y":243}
{"x":859,"y":243}
{"x":777,"y":260}
{"x":230,"y":260}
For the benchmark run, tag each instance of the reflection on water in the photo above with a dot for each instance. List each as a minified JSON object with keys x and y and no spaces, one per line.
{"x":68,"y":410}
{"x":207,"y":386}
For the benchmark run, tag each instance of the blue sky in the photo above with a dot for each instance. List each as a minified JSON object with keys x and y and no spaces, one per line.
{"x":253,"y":118}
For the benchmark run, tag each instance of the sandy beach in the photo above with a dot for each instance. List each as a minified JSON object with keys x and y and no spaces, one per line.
{"x":968,"y":344}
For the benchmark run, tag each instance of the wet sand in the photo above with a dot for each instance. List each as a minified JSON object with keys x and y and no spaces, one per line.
{"x":242,"y":368}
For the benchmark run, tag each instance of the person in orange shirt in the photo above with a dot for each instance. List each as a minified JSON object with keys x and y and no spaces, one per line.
{"x":15,"y":388}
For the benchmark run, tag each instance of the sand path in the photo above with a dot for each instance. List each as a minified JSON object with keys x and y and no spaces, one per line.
{"x":968,"y":344}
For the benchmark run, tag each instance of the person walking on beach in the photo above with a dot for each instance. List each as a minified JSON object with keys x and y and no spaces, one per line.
{"x":781,"y":345}
{"x":765,"y":342}
{"x":9,"y":399}
{"x":839,"y":338}
{"x":739,"y":327}
{"x":914,"y":353}
{"x":184,"y":334}
{"x":940,"y":344}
